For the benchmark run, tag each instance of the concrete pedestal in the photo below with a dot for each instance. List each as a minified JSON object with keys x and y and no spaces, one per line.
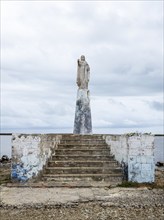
{"x":83,"y":122}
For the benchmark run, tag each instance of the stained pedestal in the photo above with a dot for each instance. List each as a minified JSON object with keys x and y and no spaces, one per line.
{"x":83,"y":122}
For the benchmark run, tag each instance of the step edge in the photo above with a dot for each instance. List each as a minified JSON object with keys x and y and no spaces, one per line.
{"x":83,"y":175}
{"x":89,"y":168}
{"x":81,"y":149}
{"x":83,"y":161}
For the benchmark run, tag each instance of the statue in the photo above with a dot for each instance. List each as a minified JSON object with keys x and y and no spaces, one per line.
{"x":83,"y":122}
{"x":83,"y":73}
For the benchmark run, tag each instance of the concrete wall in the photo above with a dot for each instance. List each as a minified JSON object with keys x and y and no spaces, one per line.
{"x":30,"y":153}
{"x":135,"y":152}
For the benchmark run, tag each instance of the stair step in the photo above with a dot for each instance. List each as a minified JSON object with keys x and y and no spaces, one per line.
{"x":85,"y":141}
{"x":82,"y":161}
{"x":83,"y":177}
{"x":81,"y":152}
{"x":82,"y":137}
{"x":82,"y":145}
{"x":79,"y":184}
{"x":81,"y":149}
{"x":80,"y":175}
{"x":67,"y":163}
{"x":83,"y":157}
{"x":80,"y":170}
{"x":69,"y":147}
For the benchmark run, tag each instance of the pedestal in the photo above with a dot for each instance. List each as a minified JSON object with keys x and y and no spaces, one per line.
{"x":83,"y":122}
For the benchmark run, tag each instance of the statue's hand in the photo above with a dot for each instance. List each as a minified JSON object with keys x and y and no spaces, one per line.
{"x":78,"y":62}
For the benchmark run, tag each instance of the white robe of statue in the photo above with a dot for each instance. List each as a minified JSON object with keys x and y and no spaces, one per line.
{"x":83,"y":73}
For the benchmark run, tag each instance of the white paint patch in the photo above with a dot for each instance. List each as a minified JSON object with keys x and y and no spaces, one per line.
{"x":137,"y":152}
{"x":30,"y":153}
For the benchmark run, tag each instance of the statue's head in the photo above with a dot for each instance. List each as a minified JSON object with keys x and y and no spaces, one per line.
{"x":82,"y":57}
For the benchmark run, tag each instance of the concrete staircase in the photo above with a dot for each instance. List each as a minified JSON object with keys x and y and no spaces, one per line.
{"x":82,"y":161}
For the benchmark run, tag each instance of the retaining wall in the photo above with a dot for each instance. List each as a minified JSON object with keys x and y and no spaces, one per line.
{"x":30,"y":154}
{"x":135,"y":152}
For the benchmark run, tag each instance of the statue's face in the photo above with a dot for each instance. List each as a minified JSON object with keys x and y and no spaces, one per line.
{"x":83,"y":58}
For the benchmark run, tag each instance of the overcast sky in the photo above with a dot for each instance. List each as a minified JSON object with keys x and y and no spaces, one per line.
{"x":41,"y":42}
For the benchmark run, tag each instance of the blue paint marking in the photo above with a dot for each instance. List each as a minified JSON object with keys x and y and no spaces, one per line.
{"x":19,"y":173}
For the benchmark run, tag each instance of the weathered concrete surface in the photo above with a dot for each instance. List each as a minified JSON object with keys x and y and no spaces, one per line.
{"x":141,"y":162}
{"x":53,"y":196}
{"x":30,"y":153}
{"x":136,"y":154}
{"x":83,"y":121}
{"x":78,"y":204}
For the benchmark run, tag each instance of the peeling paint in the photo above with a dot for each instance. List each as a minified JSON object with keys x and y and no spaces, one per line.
{"x":30,"y":153}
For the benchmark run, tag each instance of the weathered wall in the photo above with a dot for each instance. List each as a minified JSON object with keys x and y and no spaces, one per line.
{"x":135,"y":152}
{"x":30,"y":153}
{"x":119,"y":148}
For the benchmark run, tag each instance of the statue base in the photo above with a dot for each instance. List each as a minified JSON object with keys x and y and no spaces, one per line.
{"x":83,"y":122}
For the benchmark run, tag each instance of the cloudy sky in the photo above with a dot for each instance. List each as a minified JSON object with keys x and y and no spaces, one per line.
{"x":40,"y":44}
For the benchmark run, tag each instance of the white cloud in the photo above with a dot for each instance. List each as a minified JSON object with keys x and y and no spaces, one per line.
{"x":41,"y":42}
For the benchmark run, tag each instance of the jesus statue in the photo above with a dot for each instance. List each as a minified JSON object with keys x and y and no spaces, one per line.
{"x":83,"y":73}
